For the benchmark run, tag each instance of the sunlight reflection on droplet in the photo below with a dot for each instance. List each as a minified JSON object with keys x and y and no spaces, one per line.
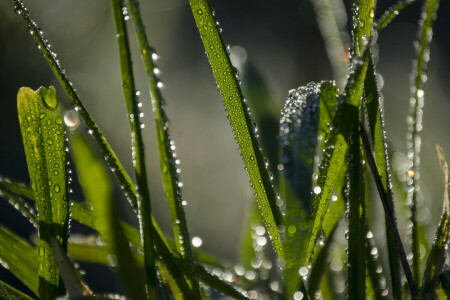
{"x":197,"y":242}
{"x":71,"y":119}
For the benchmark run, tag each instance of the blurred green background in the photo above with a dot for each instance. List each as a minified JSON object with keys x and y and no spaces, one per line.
{"x":282,"y":41}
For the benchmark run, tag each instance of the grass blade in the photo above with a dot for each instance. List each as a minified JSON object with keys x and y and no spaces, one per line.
{"x":376,"y":122}
{"x":27,"y":211}
{"x":389,"y":214}
{"x":301,"y":122}
{"x":44,"y":143}
{"x":348,"y":112}
{"x":355,"y":196}
{"x":20,"y":258}
{"x":172,"y":185}
{"x":43,"y":45}
{"x":436,"y":259}
{"x":329,"y":16}
{"x":414,"y":120}
{"x":374,"y":269}
{"x":240,"y":119}
{"x":389,"y":15}
{"x":10,"y":293}
{"x":119,"y":11}
{"x":72,"y":282}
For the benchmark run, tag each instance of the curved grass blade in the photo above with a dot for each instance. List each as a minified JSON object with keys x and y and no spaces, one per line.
{"x":172,"y":185}
{"x":27,"y":211}
{"x":376,"y":123}
{"x":85,"y":215}
{"x":142,"y":190}
{"x":301,"y":122}
{"x":115,"y":165}
{"x":44,"y":143}
{"x":436,"y":259}
{"x":240,"y":119}
{"x":72,"y":282}
{"x":20,"y":258}
{"x":10,"y":293}
{"x":390,"y":14}
{"x":414,"y":120}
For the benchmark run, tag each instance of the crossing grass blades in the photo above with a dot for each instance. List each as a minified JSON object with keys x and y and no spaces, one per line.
{"x":316,"y":176}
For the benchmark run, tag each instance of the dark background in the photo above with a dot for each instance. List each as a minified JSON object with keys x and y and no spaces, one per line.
{"x":282,"y":41}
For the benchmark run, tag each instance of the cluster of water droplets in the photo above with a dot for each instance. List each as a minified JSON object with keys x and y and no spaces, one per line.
{"x":380,"y":277}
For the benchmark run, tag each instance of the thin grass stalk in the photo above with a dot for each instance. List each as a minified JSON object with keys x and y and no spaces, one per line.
{"x":240,"y":119}
{"x":43,"y":45}
{"x":414,"y":120}
{"x":28,"y":212}
{"x":388,"y":212}
{"x":389,"y":15}
{"x":8,"y":292}
{"x":142,"y":191}
{"x":375,"y":116}
{"x":166,"y":156}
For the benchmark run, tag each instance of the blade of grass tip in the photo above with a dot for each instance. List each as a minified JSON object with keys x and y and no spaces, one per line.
{"x":389,"y":15}
{"x":375,"y":270}
{"x":20,"y":258}
{"x":355,"y":198}
{"x":168,"y":163}
{"x":114,"y":164}
{"x":240,"y":119}
{"x":72,"y":282}
{"x":27,"y":211}
{"x":119,"y":11}
{"x":388,"y":213}
{"x":329,"y":16}
{"x":44,"y":142}
{"x":8,"y":292}
{"x":348,"y":112}
{"x":414,"y":120}
{"x":436,"y":259}
{"x":376,"y":123}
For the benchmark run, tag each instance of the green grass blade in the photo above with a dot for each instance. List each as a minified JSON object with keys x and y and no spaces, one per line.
{"x":20,"y":258}
{"x":388,"y":212}
{"x":389,"y":15}
{"x":220,"y":285}
{"x":355,"y":194}
{"x":27,"y":211}
{"x":172,"y":185}
{"x":348,"y":113}
{"x":119,"y":11}
{"x":85,"y":215}
{"x":436,"y":259}
{"x":10,"y":293}
{"x":72,"y":281}
{"x":329,"y":15}
{"x":44,"y":143}
{"x":240,"y":119}
{"x":115,"y":165}
{"x":376,"y":123}
{"x":425,"y":34}
{"x":306,"y":113}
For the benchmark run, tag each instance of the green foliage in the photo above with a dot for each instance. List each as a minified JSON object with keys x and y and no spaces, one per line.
{"x":318,"y":165}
